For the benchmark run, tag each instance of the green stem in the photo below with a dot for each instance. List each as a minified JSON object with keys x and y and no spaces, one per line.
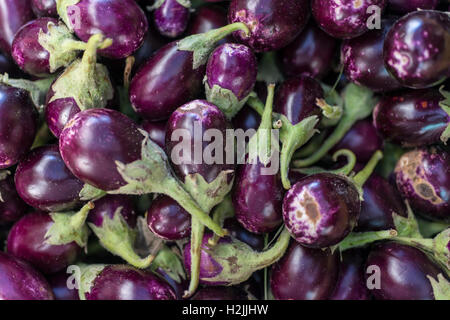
{"x":268,"y":70}
{"x":79,"y":219}
{"x":360,"y":239}
{"x":431,"y":228}
{"x":256,"y":104}
{"x":126,"y":251}
{"x":312,"y":146}
{"x":351,"y":161}
{"x":336,"y":83}
{"x":197,"y":232}
{"x":264,"y":130}
{"x":89,"y":60}
{"x":223,"y":211}
{"x":220,"y":33}
{"x":270,"y":256}
{"x":362,"y":176}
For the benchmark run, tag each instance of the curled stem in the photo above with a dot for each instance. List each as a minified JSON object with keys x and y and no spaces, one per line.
{"x":362,"y":176}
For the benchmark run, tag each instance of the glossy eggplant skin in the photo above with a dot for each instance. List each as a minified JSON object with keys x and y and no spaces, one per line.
{"x":12,"y":207}
{"x":58,"y":282}
{"x":246,"y":119}
{"x":351,"y":283}
{"x":26,"y":50}
{"x":305,"y":274}
{"x":423,"y":178}
{"x":296,"y":98}
{"x":381,"y":200}
{"x":362,"y":139}
{"x":273,"y":24}
{"x":257,"y":198}
{"x":13,"y":14}
{"x":405,"y":6}
{"x":321,"y":209}
{"x":20,"y":281}
{"x":108,"y":206}
{"x":363,"y":61}
{"x":235,"y":230}
{"x":417,"y":49}
{"x":411,"y":119}
{"x":26,"y":240}
{"x":93,"y":140}
{"x":171,"y":18}
{"x":156,"y":131}
{"x":44,"y":182}
{"x":311,"y":53}
{"x":126,"y":28}
{"x":8,"y":66}
{"x":220,"y":293}
{"x":233,"y":67}
{"x":59,"y":112}
{"x":204,"y":115}
{"x":44,"y":8}
{"x":18,"y":124}
{"x":207,"y":18}
{"x":344,"y":19}
{"x":165,"y":82}
{"x":409,"y":284}
{"x":168,"y":220}
{"x":123,"y":282}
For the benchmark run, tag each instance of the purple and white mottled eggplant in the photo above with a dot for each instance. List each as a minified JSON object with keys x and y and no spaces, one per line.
{"x":122,"y":282}
{"x":305,"y":274}
{"x":346,"y":19}
{"x":12,"y":207}
{"x":230,"y":77}
{"x":423,"y":178}
{"x":123,"y":21}
{"x":171,"y":17}
{"x":413,"y":118}
{"x":311,"y":53}
{"x":417,"y":49}
{"x":363,"y":61}
{"x":20,"y":281}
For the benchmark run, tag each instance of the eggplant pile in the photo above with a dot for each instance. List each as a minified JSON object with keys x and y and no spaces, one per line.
{"x":224,"y":150}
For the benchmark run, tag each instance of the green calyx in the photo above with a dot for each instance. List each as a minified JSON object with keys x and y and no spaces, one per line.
{"x":430,"y":228}
{"x":69,"y":227}
{"x":170,"y":263}
{"x":358,"y":104}
{"x":441,"y":287}
{"x":88,"y":273}
{"x":334,"y":107}
{"x":224,"y":99}
{"x":153,"y":174}
{"x":90,"y":193}
{"x":201,"y":45}
{"x":159,"y":3}
{"x":37,"y":89}
{"x":445,"y":105}
{"x":62,"y":8}
{"x":221,"y":212}
{"x":407,"y":226}
{"x":116,"y":236}
{"x":85,"y":80}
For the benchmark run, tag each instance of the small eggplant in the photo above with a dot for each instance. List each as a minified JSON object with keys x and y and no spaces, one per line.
{"x":305,"y":274}
{"x":20,"y":281}
{"x":171,"y":17}
{"x":423,"y":178}
{"x":123,"y":21}
{"x":246,"y":119}
{"x":12,"y":207}
{"x":230,"y":77}
{"x":345,"y":19}
{"x":44,"y":8}
{"x":44,"y":182}
{"x":417,"y":47}
{"x":121,"y":282}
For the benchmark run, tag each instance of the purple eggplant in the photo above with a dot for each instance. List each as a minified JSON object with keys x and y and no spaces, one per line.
{"x":44,"y":182}
{"x":14,"y":14}
{"x":362,"y":139}
{"x":305,"y":274}
{"x":417,"y":49}
{"x":168,"y":220}
{"x":405,"y":6}
{"x":20,"y":281}
{"x":230,"y":77}
{"x":273,"y":24}
{"x":359,"y":53}
{"x":107,"y":206}
{"x":220,"y":293}
{"x":165,"y":82}
{"x":413,"y":118}
{"x":123,"y":21}
{"x":345,"y":19}
{"x":297,"y":99}
{"x":171,"y":17}
{"x":18,"y":124}
{"x":12,"y":207}
{"x":404,"y":272}
{"x":381,"y":201}
{"x":156,"y":131}
{"x":351,"y":284}
{"x":44,"y":8}
{"x":246,"y":119}
{"x":122,"y":282}
{"x":235,"y":230}
{"x":423,"y":178}
{"x":8,"y":66}
{"x":322,"y":209}
{"x":227,"y":263}
{"x":311,"y":53}
{"x":27,"y":240}
{"x":83,"y":85}
{"x":59,"y":285}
